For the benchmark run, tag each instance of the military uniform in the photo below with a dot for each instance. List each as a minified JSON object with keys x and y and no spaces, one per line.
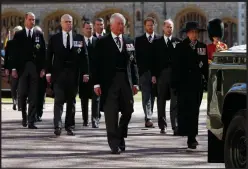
{"x":190,"y":68}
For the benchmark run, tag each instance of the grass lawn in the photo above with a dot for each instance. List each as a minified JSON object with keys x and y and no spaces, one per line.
{"x":50,"y":100}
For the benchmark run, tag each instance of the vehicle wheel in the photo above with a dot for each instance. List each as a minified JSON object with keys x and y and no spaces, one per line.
{"x":235,"y":142}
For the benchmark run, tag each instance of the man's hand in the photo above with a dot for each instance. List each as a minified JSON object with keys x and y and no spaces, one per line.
{"x":14,"y":74}
{"x":154,"y":80}
{"x":42,"y":73}
{"x":85,"y":78}
{"x":6,"y":72}
{"x":98,"y":91}
{"x":135,"y":89}
{"x":48,"y":78}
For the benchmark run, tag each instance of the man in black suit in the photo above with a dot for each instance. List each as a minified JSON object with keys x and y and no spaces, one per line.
{"x":115,"y":78}
{"x":67,"y":60}
{"x":29,"y":65}
{"x":190,"y":66}
{"x":99,"y":28}
{"x":86,"y":88}
{"x":165,"y":48}
{"x":144,"y":54}
{"x":8,"y":59}
{"x":41,"y":90}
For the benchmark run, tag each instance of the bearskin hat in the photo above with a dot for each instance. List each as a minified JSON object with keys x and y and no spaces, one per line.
{"x":215,"y":29}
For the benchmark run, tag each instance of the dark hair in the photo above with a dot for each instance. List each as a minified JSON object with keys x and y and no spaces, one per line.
{"x":149,"y":19}
{"x":99,"y":20}
{"x":86,"y":22}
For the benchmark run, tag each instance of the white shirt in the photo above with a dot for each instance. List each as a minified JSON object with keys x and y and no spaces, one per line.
{"x":166,"y":38}
{"x":121,"y":40}
{"x":64,"y":34}
{"x":97,"y":34}
{"x":87,"y":39}
{"x":147,"y":35}
{"x":27,"y":31}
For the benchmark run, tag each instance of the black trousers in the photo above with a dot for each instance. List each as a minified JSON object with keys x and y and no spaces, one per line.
{"x":41,"y":95}
{"x":95,"y":108}
{"x":27,"y":87}
{"x":14,"y":92}
{"x":164,"y":91}
{"x":65,"y":89}
{"x":119,"y":99}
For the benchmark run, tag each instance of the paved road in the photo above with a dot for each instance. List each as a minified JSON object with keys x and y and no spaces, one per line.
{"x":25,"y":148}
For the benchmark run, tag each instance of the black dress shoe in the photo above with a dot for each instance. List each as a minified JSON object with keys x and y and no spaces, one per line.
{"x":175,"y":131}
{"x":69,"y":132}
{"x":95,"y":125}
{"x":14,"y":106}
{"x":39,"y":119}
{"x":115,"y":150}
{"x":163,"y":131}
{"x":32,"y":126}
{"x":85,"y":124}
{"x":122,"y":145}
{"x":19,"y":109}
{"x":57,"y":131}
{"x":24,"y":123}
{"x":149,"y":124}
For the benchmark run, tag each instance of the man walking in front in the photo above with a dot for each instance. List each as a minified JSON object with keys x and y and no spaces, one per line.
{"x":67,"y":59}
{"x":29,"y":66}
{"x":115,"y":79}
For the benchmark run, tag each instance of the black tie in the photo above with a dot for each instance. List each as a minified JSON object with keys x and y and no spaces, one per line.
{"x":150,"y":39}
{"x":68,"y":41}
{"x":29,"y":34}
{"x":168,"y":42}
{"x":118,"y":42}
{"x":89,"y":44}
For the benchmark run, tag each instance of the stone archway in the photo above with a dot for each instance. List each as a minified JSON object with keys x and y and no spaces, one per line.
{"x":106,"y":14}
{"x":11,"y":18}
{"x":157,"y":22}
{"x":191,"y":14}
{"x":51,"y":23}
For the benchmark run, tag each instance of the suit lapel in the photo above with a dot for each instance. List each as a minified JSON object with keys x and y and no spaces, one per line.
{"x":113,"y":42}
{"x":74,"y":38}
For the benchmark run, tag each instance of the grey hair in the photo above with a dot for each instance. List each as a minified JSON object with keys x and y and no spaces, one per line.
{"x":29,"y":13}
{"x":169,"y":21}
{"x":17,"y":28}
{"x":37,"y":28}
{"x":66,"y":16}
{"x":117,"y":15}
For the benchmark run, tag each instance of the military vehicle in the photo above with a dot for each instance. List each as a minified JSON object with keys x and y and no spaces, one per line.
{"x":226,"y":109}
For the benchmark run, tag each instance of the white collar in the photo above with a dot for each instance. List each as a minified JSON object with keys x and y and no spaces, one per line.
{"x":114,"y":35}
{"x":65,"y":33}
{"x":97,"y":34}
{"x":32,"y":29}
{"x":86,"y":38}
{"x":147,"y":35}
{"x":165,"y":37}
